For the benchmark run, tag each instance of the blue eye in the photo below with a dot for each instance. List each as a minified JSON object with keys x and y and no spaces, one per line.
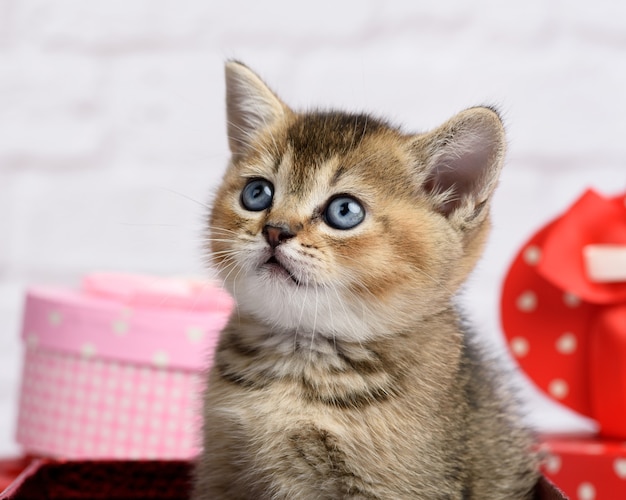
{"x":344,"y":212}
{"x":257,"y":195}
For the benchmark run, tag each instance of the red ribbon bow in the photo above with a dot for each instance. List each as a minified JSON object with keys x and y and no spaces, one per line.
{"x":567,"y":331}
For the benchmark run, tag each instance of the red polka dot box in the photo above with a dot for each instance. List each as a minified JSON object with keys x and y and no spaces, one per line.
{"x":564,"y":317}
{"x":115,"y":369}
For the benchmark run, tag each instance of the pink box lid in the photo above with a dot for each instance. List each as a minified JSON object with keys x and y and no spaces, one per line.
{"x":163,"y":322}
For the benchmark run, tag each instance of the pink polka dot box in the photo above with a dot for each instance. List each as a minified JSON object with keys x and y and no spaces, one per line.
{"x":115,"y":369}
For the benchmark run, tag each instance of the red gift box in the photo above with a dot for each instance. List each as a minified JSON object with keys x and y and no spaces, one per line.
{"x":564,"y":317}
{"x":586,"y":468}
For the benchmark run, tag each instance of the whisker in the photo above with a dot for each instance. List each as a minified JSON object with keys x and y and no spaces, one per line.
{"x":182,"y":195}
{"x":140,"y":224}
{"x":222,"y":230}
{"x":314,"y":326}
{"x":306,"y":292}
{"x":222,"y":240}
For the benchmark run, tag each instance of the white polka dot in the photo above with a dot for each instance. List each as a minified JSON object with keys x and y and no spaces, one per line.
{"x":120,"y":327}
{"x":571,"y":300}
{"x":160,"y":359}
{"x":88,"y":350}
{"x":566,"y":343}
{"x":527,"y":301}
{"x":586,"y":491}
{"x":532,"y":255}
{"x":558,"y":388}
{"x":553,"y":464}
{"x":519,"y":346}
{"x":195,"y":334}
{"x":32,"y":341}
{"x":55,"y":318}
{"x":619,"y":466}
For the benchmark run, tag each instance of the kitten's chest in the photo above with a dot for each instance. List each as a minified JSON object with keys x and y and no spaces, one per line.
{"x":335,"y":450}
{"x":315,"y":373}
{"x":345,"y":416}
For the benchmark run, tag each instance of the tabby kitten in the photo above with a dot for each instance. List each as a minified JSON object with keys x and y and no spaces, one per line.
{"x":345,"y":371}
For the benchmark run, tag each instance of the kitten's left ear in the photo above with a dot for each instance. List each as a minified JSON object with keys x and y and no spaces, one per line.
{"x":250,"y":106}
{"x":463,"y":159}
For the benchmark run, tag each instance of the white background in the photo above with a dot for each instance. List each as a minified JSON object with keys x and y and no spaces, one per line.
{"x":112,"y":130}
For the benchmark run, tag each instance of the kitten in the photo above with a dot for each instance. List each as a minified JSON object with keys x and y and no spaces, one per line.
{"x":346,"y":371}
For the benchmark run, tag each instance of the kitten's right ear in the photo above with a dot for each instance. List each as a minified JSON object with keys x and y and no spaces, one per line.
{"x":250,"y":106}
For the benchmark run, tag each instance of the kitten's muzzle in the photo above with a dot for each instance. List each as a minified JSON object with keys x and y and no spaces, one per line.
{"x":276,"y":266}
{"x":275,"y":235}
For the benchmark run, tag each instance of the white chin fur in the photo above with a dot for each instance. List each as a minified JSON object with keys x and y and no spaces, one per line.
{"x":305,"y":309}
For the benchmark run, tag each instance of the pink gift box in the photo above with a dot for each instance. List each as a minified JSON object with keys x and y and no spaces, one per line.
{"x":115,"y":368}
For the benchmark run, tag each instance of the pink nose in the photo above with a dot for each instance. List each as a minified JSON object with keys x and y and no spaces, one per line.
{"x":275,"y":235}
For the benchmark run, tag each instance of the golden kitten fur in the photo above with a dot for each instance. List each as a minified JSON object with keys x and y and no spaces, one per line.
{"x":345,"y":371}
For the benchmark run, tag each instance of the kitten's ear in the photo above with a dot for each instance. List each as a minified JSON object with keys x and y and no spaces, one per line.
{"x":463,"y":159}
{"x":250,"y":106}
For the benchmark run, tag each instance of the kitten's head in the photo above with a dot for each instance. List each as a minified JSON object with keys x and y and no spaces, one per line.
{"x":341,"y":224}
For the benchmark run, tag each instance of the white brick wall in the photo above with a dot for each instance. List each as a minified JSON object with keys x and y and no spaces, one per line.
{"x":112,"y":122}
